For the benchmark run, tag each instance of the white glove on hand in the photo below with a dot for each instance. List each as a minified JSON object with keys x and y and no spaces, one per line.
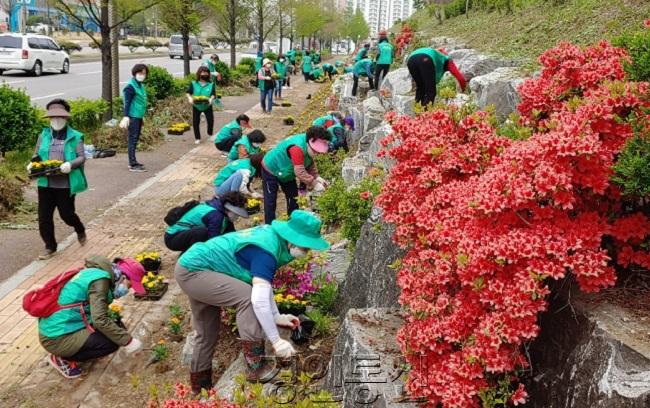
{"x":29,"y":166}
{"x":318,"y":187}
{"x":287,"y":320}
{"x":324,"y":182}
{"x":257,"y":195}
{"x":66,"y":168}
{"x":283,"y":349}
{"x":124,"y":123}
{"x":134,"y":346}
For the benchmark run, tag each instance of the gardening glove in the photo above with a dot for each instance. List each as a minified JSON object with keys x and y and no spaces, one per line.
{"x":66,"y":168}
{"x":29,"y":167}
{"x":190,"y":101}
{"x":133,"y":346}
{"x":318,"y":187}
{"x":283,"y":348}
{"x":124,"y":123}
{"x":324,"y":182}
{"x":287,"y":320}
{"x":257,"y":195}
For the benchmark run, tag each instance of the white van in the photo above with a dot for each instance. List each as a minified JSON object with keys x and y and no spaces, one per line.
{"x":176,"y":47}
{"x":32,"y":53}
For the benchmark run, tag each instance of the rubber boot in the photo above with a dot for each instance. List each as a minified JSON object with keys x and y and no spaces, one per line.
{"x":201,"y":379}
{"x":259,"y":369}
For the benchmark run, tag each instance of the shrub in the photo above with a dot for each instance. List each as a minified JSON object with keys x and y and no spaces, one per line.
{"x":323,"y":323}
{"x":245,"y":69}
{"x":19,"y":120}
{"x":86,"y":114}
{"x":271,"y":55}
{"x":11,"y":194}
{"x":638,"y":69}
{"x":248,"y":61}
{"x":152,"y":45}
{"x":69,"y":46}
{"x":330,"y":165}
{"x":132,"y":45}
{"x":93,"y":45}
{"x":224,"y":70}
{"x":632,"y":170}
{"x":159,"y":83}
{"x":181,"y":84}
{"x":325,"y":297}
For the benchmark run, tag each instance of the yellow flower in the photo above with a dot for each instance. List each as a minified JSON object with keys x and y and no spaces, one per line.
{"x":115,"y":308}
{"x":151,"y":284}
{"x":290,"y":297}
{"x":161,"y":341}
{"x":160,"y":278}
{"x":174,"y":320}
{"x":304,"y":302}
{"x":145,"y":279}
{"x":151,"y":275}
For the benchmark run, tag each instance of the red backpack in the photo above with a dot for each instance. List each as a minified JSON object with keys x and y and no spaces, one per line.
{"x":44,"y":302}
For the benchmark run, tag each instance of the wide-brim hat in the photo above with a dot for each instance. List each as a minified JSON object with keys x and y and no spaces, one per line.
{"x":237,"y":210}
{"x":56,"y":110}
{"x":319,"y":145}
{"x":266,"y":61}
{"x":302,"y":229}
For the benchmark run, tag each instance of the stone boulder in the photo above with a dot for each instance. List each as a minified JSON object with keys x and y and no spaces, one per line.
{"x":338,"y":261}
{"x":447,"y":43}
{"x":498,"y":88}
{"x":357,"y":134}
{"x":473,"y":65}
{"x":367,"y":366}
{"x":370,"y":281}
{"x":353,"y":170}
{"x":404,"y":104}
{"x":373,"y":114}
{"x":458,"y":55}
{"x":343,"y":86}
{"x":397,"y":82}
{"x":375,"y":136}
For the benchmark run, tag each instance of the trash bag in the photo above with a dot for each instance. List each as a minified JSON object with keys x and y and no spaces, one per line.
{"x":302,"y":334}
{"x":218,"y":104}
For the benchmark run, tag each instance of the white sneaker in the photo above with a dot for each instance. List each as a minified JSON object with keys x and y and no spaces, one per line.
{"x":197,"y":141}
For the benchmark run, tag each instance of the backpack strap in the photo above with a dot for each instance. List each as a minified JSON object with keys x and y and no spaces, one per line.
{"x":82,"y":310}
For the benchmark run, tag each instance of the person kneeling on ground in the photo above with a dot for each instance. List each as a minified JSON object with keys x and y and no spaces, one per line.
{"x":231,"y":133}
{"x":329,"y":70}
{"x":238,"y":176}
{"x":338,"y":132}
{"x":206,"y":220}
{"x":236,"y":270}
{"x":247,"y":145}
{"x":86,"y":333}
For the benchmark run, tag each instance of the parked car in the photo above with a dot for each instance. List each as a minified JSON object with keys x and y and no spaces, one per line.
{"x":32,"y":53}
{"x":176,"y":47}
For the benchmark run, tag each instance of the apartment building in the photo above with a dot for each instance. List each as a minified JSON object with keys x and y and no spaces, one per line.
{"x":382,"y":14}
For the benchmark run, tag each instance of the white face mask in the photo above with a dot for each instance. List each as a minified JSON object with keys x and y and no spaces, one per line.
{"x":58,"y":123}
{"x":297,"y":252}
{"x":256,"y":144}
{"x":140,"y":77}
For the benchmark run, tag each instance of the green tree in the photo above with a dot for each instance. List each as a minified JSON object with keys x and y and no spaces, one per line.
{"x":357,"y":28}
{"x":229,"y":16}
{"x":309,"y":19}
{"x":184,"y":17}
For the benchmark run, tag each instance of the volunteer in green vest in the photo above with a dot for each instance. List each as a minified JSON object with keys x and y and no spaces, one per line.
{"x":72,"y":336}
{"x":135,"y":107}
{"x":206,"y":220}
{"x":328,"y":120}
{"x":231,"y":133}
{"x":316,"y":57}
{"x":365,"y":68}
{"x":363,"y":53}
{"x":59,"y":141}
{"x":280,"y":67}
{"x":238,"y":176}
{"x":211,"y":64}
{"x":329,"y":70}
{"x":307,"y":66}
{"x":427,"y":66}
{"x":292,"y":159}
{"x":317,"y":73}
{"x":291,"y":55}
{"x":266,"y":84}
{"x":384,"y":59}
{"x":236,"y":270}
{"x":247,"y":145}
{"x":203,"y":87}
{"x":338,"y":132}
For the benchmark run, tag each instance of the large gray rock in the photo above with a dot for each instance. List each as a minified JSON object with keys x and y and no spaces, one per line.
{"x":498,"y":88}
{"x":373,"y":114}
{"x":458,"y":55}
{"x":343,"y":86}
{"x":473,"y":65}
{"x":370,"y":280}
{"x":353,"y":170}
{"x":367,"y":367}
{"x":447,"y":43}
{"x":404,"y":105}
{"x":338,"y":261}
{"x":397,"y":82}
{"x":590,"y":355}
{"x":357,"y":115}
{"x":376,"y":136}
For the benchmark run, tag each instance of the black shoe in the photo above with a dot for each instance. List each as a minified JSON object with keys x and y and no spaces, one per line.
{"x":137,"y":169}
{"x":82,"y":238}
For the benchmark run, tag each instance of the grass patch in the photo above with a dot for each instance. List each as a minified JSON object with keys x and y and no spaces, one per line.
{"x":14,"y":163}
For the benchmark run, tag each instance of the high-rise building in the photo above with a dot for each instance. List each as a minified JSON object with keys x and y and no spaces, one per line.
{"x":382,"y":14}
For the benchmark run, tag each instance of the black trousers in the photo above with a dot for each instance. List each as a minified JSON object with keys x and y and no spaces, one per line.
{"x":196,"y":121}
{"x":97,"y":345}
{"x":270,"y":185}
{"x":355,"y":84}
{"x":183,"y":240}
{"x":50,"y":199}
{"x":381,"y":72}
{"x":226,"y":144}
{"x":307,"y":75}
{"x":423,"y":73}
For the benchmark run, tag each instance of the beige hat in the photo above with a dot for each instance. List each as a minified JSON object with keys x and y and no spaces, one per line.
{"x":266,"y":61}
{"x":57,"y":110}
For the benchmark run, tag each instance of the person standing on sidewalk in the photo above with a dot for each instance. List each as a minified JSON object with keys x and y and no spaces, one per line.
{"x":266,"y":83}
{"x":384,"y":59}
{"x":427,"y":66}
{"x":280,"y":67}
{"x":135,"y":107}
{"x":236,"y":270}
{"x":307,"y":66}
{"x":202,"y":87}
{"x":59,"y":141}
{"x":86,"y":333}
{"x":291,"y":159}
{"x":231,"y":133}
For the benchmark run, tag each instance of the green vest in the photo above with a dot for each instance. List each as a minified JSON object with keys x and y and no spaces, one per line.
{"x":218,"y":254}
{"x":322,"y":121}
{"x":360,"y":68}
{"x":261,"y":83}
{"x":202,"y":90}
{"x":316,"y":58}
{"x":278,"y":162}
{"x":385,"y":53}
{"x":361,"y":54}
{"x":224,"y":133}
{"x":291,"y":55}
{"x":339,"y":63}
{"x":317,"y":73}
{"x":68,"y":321}
{"x":211,"y":66}
{"x":76,"y":178}
{"x":281,"y":69}
{"x":192,"y":218}
{"x":331,"y":131}
{"x":439,"y":59}
{"x":328,"y":67}
{"x":233,"y":155}
{"x":231,"y":168}
{"x":347,"y":70}
{"x":258,"y":63}
{"x":139,"y":103}
{"x":306,"y":64}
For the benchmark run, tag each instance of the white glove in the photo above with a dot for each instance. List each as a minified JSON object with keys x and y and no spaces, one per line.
{"x":324,"y":182}
{"x":257,"y":195}
{"x":190,"y":101}
{"x":318,"y":187}
{"x":283,"y":348}
{"x":29,"y":166}
{"x":66,"y":168}
{"x":287,"y":320}
{"x":134,"y":346}
{"x":124,"y":123}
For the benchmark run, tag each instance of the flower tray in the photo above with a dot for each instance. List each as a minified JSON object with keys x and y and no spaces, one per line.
{"x":286,"y":104}
{"x":254,"y":209}
{"x":294,"y":309}
{"x":151,"y":265}
{"x":153,"y":295}
{"x":47,"y":172}
{"x":288,"y":121}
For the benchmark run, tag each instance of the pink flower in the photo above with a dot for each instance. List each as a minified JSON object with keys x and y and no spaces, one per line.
{"x":365,"y":195}
{"x":519,"y":396}
{"x":646,"y":23}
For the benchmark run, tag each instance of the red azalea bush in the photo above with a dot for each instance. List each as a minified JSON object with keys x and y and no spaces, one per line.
{"x":185,"y":399}
{"x":495,"y":218}
{"x":403,"y":39}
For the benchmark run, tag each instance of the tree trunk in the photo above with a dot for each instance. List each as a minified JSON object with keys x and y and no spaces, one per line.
{"x":232,"y":32}
{"x":186,"y":51}
{"x":281,"y":32}
{"x":467,"y":8}
{"x":260,"y":26}
{"x":107,"y":62}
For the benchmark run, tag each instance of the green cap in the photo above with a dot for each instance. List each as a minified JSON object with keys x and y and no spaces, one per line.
{"x":302,"y":229}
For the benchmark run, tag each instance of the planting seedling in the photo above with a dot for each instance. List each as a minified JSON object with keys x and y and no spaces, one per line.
{"x":159,"y":352}
{"x":289,"y":120}
{"x":151,"y":261}
{"x":324,"y":324}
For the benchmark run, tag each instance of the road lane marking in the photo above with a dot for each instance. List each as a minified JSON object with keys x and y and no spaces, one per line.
{"x":90,"y":73}
{"x":48,"y":96}
{"x":13,"y":82}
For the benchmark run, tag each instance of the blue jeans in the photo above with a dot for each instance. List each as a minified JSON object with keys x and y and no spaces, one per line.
{"x":278,"y":87}
{"x":232,"y":183}
{"x":270,"y":185}
{"x":135,"y":127}
{"x":266,"y":99}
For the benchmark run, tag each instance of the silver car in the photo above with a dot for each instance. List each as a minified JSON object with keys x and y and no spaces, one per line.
{"x":32,"y":53}
{"x":176,"y":47}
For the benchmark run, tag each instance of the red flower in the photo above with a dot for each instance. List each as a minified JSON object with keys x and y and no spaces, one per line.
{"x":646,"y":23}
{"x":519,"y":396}
{"x":365,"y":195}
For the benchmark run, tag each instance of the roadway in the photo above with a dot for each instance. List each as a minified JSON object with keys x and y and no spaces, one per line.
{"x":84,"y":79}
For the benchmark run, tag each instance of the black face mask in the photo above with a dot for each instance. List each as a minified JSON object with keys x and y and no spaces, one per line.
{"x":205,"y":77}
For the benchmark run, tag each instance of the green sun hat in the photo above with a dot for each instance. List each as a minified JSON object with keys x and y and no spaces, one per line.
{"x":302,"y":229}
